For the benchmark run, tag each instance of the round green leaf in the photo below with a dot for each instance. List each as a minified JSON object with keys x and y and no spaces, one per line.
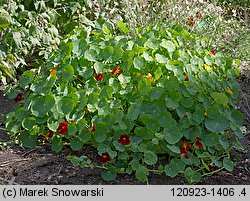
{"x":52,"y":124}
{"x":76,"y":144}
{"x":134,"y":111}
{"x":134,"y":164}
{"x":172,"y":134}
{"x":192,"y":176}
{"x":224,"y":142}
{"x":238,"y":117}
{"x":72,"y":129}
{"x":27,"y":140}
{"x":67,"y":73}
{"x":228,"y":164}
{"x":212,"y":139}
{"x":171,"y":84}
{"x":56,"y":145}
{"x":174,"y":149}
{"x":26,"y":78}
{"x":174,"y":167}
{"x":42,"y":105}
{"x":169,"y":45}
{"x":155,"y":93}
{"x":84,"y":135}
{"x":165,"y":119}
{"x":152,"y":43}
{"x":91,"y":55}
{"x":28,"y":123}
{"x":187,"y":102}
{"x":124,"y":79}
{"x":142,"y":173}
{"x":66,"y":105}
{"x":161,"y":58}
{"x":216,"y":125}
{"x":150,"y":157}
{"x":220,"y":98}
{"x":213,"y":112}
{"x":109,"y":174}
{"x":144,"y":86}
{"x":138,"y":63}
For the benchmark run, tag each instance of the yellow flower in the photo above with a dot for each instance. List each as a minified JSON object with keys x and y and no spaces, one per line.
{"x":150,"y":78}
{"x":53,"y":71}
{"x":207,"y":67}
{"x":229,"y":90}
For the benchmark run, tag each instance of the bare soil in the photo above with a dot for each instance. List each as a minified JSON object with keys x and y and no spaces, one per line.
{"x":41,"y":166}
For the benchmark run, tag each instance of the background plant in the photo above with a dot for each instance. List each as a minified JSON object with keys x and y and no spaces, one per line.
{"x":31,"y":29}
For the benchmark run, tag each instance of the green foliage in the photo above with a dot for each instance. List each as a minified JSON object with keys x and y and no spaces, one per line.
{"x":128,"y":97}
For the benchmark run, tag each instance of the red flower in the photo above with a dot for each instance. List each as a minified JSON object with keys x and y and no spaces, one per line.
{"x":104,"y":157}
{"x":124,"y":139}
{"x":190,"y":21}
{"x":198,"y":143}
{"x":198,"y":15}
{"x":186,"y":78}
{"x":213,"y":52}
{"x":212,"y":167}
{"x":99,"y":77}
{"x":184,"y":154}
{"x":185,"y":146}
{"x":116,"y":71}
{"x":50,"y":134}
{"x":62,"y":128}
{"x":92,"y":128}
{"x":19,"y":97}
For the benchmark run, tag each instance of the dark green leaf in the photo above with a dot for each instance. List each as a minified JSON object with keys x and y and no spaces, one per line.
{"x":109,"y":174}
{"x":76,"y":144}
{"x":41,"y":105}
{"x":142,"y":173}
{"x":150,"y":158}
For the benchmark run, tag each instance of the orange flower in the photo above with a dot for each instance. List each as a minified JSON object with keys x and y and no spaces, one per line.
{"x":229,"y":90}
{"x":92,"y":128}
{"x":185,"y":146}
{"x":150,"y":78}
{"x":198,"y":143}
{"x":52,"y":71}
{"x":116,"y":71}
{"x":184,"y":154}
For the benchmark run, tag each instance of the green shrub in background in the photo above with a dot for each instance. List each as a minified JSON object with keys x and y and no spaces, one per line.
{"x":31,"y":29}
{"x":133,"y":99}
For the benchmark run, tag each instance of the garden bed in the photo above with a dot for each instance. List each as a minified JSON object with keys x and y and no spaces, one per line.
{"x":41,"y":166}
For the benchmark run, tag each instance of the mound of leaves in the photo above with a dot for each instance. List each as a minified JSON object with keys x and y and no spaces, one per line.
{"x":133,"y":97}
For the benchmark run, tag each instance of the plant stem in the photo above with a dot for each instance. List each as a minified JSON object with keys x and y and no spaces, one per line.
{"x":155,"y":171}
{"x":211,"y":173}
{"x":102,"y":167}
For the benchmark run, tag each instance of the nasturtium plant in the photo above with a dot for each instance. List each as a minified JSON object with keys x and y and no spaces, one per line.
{"x":133,"y":98}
